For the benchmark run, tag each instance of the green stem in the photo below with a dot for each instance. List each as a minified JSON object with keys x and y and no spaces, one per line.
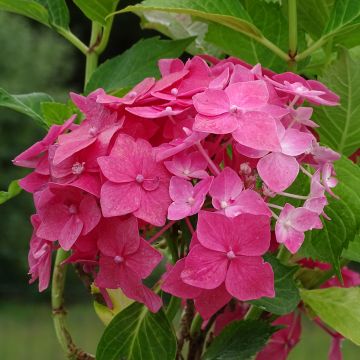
{"x":293,"y":34}
{"x":92,"y":56}
{"x":105,"y":36}
{"x":316,"y":45}
{"x":253,"y":313}
{"x":59,"y":313}
{"x":68,"y":35}
{"x":276,"y":50}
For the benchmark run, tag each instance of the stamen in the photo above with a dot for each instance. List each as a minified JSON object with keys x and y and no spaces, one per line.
{"x":72,"y":209}
{"x":230,"y":255}
{"x":78,"y":168}
{"x":118,"y":259}
{"x":174,"y":91}
{"x":139,"y":178}
{"x":223,"y":204}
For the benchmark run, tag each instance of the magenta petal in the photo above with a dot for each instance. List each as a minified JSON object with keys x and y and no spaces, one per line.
{"x":211,"y":102}
{"x":208,"y":302}
{"x":257,"y":130}
{"x":119,"y":199}
{"x":89,"y":213}
{"x":144,"y":260}
{"x":250,"y":278}
{"x":180,"y":189}
{"x":174,"y":285}
{"x":204,"y":268}
{"x":178,"y":210}
{"x":250,"y":202}
{"x":220,"y":124}
{"x":278,"y":171}
{"x":117,"y":170}
{"x":70,"y":232}
{"x":33,"y":182}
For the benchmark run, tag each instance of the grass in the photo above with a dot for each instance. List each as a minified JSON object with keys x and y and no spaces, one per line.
{"x":26,"y":332}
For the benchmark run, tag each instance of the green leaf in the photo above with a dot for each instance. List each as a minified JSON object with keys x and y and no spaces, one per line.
{"x":240,"y":340}
{"x":328,"y":243}
{"x":28,"y":104}
{"x":13,"y":190}
{"x":287,"y":294}
{"x":338,"y":308}
{"x":353,"y":251}
{"x":270,"y":21}
{"x":345,"y":14}
{"x":58,"y":13}
{"x":135,"y":333}
{"x":340,"y":125}
{"x":55,"y":113}
{"x":97,"y":10}
{"x":30,"y":8}
{"x":135,"y":64}
{"x":180,"y":26}
{"x":226,"y":12}
{"x":313,"y":15}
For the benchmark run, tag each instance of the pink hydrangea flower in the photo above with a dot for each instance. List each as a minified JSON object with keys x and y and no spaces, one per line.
{"x":66,"y":213}
{"x":284,"y":340}
{"x":230,"y":252}
{"x":311,"y":90}
{"x":39,"y":257}
{"x":188,"y":166}
{"x":187,"y":199}
{"x":317,"y":199}
{"x":136,"y":183}
{"x":125,"y":259}
{"x":292,"y":224}
{"x":229,"y":197}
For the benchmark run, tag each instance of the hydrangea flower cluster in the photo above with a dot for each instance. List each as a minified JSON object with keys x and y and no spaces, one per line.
{"x":211,"y":146}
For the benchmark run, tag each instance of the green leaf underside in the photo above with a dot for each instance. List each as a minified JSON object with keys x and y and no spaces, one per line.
{"x":137,"y":334}
{"x":28,"y":104}
{"x":55,"y":113}
{"x":287,"y":294}
{"x":327,"y":244}
{"x":13,"y":190}
{"x":226,"y":12}
{"x":353,"y":251}
{"x":340,"y":125}
{"x":240,"y":340}
{"x":132,"y":66}
{"x":338,"y":308}
{"x":97,"y":10}
{"x":30,"y":8}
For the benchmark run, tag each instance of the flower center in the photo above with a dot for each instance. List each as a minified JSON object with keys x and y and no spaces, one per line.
{"x":234,"y":109}
{"x":168,"y":109}
{"x":92,"y":131}
{"x":72,"y":209}
{"x":118,"y":259}
{"x":230,"y":255}
{"x":223,"y":204}
{"x":132,"y":94}
{"x":174,"y":91}
{"x":186,"y":172}
{"x":78,"y":168}
{"x":139,"y":178}
{"x":191,"y":200}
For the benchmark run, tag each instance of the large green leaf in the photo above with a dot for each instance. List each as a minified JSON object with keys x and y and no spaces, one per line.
{"x":180,"y":26}
{"x":55,"y":113}
{"x":328,"y":243}
{"x":28,"y":104}
{"x":270,"y":21}
{"x":340,"y":125}
{"x":287,"y":294}
{"x":58,"y":13}
{"x":30,"y":8}
{"x":338,"y":308}
{"x":13,"y":190}
{"x":353,"y":251}
{"x":345,"y":14}
{"x":226,"y":12}
{"x":240,"y":340}
{"x":135,"y":64}
{"x":137,"y":334}
{"x":97,"y":10}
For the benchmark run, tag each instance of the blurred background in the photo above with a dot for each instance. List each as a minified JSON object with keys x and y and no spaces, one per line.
{"x":33,"y":58}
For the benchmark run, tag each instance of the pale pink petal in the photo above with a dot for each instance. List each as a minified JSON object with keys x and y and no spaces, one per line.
{"x":178,"y":210}
{"x":250,"y":202}
{"x":257,"y":130}
{"x":296,"y":142}
{"x":204,"y":268}
{"x":303,"y":219}
{"x":250,"y":278}
{"x":180,"y":189}
{"x":278,"y":171}
{"x":221,"y":124}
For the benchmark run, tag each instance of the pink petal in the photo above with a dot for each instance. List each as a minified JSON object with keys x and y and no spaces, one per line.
{"x":278,"y":171}
{"x":220,"y":124}
{"x":119,"y":199}
{"x":211,"y":103}
{"x":118,"y":170}
{"x":208,"y":302}
{"x":174,"y":285}
{"x":204,"y":268}
{"x":89,"y":213}
{"x":70,"y":232}
{"x":178,"y":210}
{"x":144,"y":260}
{"x":180,"y":189}
{"x":250,"y":278}
{"x":257,"y":130}
{"x":296,"y":142}
{"x":303,"y":219}
{"x":250,"y":202}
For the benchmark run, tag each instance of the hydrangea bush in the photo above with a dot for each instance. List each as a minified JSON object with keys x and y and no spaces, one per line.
{"x":201,"y":205}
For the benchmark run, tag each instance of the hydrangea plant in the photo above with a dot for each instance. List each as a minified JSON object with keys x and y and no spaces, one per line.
{"x":208,"y":201}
